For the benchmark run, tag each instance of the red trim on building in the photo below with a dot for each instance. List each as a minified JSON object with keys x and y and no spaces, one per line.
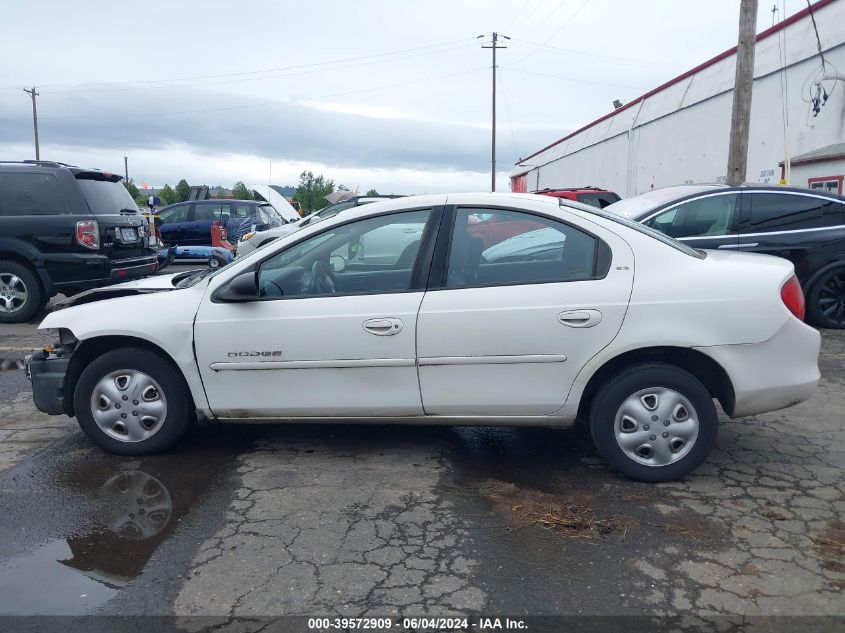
{"x":839,"y":179}
{"x":761,"y":36}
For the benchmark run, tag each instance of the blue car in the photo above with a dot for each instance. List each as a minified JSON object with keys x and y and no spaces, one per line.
{"x":189,"y":223}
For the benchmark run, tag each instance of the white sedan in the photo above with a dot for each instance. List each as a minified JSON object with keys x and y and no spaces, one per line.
{"x":492,"y":309}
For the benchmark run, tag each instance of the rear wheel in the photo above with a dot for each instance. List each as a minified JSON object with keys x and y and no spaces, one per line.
{"x":654,"y":422}
{"x":21,"y":296}
{"x":826,"y":301}
{"x":132,"y":402}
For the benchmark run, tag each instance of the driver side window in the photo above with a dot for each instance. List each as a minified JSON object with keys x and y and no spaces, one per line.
{"x":372,"y":255}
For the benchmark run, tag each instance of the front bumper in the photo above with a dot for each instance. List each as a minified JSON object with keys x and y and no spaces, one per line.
{"x":772,"y":375}
{"x":47,"y":371}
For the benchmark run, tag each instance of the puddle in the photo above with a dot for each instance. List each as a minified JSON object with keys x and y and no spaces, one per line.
{"x":112,"y":515}
{"x":71,"y":576}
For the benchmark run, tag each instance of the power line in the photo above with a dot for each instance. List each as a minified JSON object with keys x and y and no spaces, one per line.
{"x":275,"y":76}
{"x":553,"y":35}
{"x":543,"y":21}
{"x":569,"y":52}
{"x":253,"y":72}
{"x":529,"y":15}
{"x":258,"y":104}
{"x":510,"y":69}
{"x":518,"y":14}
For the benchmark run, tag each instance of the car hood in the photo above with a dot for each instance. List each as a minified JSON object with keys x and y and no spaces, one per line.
{"x":158,"y":283}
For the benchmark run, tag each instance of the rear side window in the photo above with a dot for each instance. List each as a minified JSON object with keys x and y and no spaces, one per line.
{"x":784,"y":212}
{"x":495,"y":246}
{"x":30,"y":194}
{"x":205,"y":212}
{"x":105,"y":197}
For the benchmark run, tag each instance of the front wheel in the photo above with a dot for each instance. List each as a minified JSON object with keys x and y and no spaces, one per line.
{"x":654,"y":422}
{"x":826,"y":301}
{"x":132,"y":402}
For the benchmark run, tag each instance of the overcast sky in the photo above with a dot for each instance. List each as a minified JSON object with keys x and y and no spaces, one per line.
{"x":372,"y":93}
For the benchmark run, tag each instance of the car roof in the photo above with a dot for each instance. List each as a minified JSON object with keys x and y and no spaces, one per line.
{"x":219,"y":200}
{"x":641,"y":205}
{"x":24,"y":165}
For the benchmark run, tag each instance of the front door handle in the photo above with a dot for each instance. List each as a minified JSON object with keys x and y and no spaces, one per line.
{"x":580,"y":318}
{"x":383,"y":327}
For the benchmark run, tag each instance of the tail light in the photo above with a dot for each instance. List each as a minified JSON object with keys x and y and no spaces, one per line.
{"x":793,"y":297}
{"x":88,"y":234}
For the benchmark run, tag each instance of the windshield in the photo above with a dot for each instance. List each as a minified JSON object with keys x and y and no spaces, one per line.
{"x":105,"y":197}
{"x":637,"y":206}
{"x":645,"y":230}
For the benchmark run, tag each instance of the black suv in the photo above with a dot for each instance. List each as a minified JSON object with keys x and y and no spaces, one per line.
{"x":64,"y":229}
{"x":805,"y":226}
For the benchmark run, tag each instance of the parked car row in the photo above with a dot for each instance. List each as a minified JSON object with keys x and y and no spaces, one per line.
{"x":474,"y":309}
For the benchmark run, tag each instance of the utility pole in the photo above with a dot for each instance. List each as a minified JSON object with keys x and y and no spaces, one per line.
{"x":743,"y":88}
{"x":493,"y":45}
{"x":126,"y":168}
{"x":34,"y":94}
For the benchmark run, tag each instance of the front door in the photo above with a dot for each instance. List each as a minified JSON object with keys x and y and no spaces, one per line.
{"x":328,"y":335}
{"x":519,"y":312}
{"x":708,"y":221}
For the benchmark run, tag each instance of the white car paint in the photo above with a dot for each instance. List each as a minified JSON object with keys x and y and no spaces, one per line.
{"x":477,"y":355}
{"x":279,"y":202}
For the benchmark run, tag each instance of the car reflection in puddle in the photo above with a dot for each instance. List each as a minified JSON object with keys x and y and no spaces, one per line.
{"x":72,"y":576}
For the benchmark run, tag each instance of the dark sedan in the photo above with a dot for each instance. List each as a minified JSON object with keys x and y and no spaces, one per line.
{"x":803,"y":225}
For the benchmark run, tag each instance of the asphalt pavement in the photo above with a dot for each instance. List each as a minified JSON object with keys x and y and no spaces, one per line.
{"x":262,"y":521}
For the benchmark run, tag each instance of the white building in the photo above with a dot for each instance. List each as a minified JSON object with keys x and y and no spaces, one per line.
{"x":678,"y":133}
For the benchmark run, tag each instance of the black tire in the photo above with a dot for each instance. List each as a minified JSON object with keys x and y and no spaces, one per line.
{"x":828,"y":293}
{"x":25,"y":277}
{"x":179,"y":407}
{"x":610,"y":397}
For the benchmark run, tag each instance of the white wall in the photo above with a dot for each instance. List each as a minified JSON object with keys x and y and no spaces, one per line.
{"x":681,"y":133}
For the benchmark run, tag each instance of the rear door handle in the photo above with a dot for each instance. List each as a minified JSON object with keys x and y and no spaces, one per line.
{"x":580,"y":318}
{"x":740,"y":245}
{"x":383,"y":327}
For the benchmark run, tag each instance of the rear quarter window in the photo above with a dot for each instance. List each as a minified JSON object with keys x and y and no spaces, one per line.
{"x":30,"y":194}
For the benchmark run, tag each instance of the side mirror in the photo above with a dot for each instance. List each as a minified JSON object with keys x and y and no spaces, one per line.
{"x":239,"y":290}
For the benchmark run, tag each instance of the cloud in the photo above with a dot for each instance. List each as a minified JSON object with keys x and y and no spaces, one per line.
{"x":221,"y":123}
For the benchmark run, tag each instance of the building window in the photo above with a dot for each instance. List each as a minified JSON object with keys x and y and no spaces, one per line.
{"x":829,"y":184}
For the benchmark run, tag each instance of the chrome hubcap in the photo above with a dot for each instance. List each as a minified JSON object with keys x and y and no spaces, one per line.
{"x":128,"y":405}
{"x":656,"y":426}
{"x":13,"y":293}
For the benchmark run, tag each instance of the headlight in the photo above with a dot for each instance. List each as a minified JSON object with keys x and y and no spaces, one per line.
{"x":247,"y":236}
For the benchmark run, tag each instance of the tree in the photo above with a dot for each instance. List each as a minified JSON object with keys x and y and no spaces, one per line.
{"x":167,"y":195}
{"x":141,"y":201}
{"x":342,"y":188}
{"x":183,"y":190}
{"x":131,"y":188}
{"x":240,"y":192}
{"x":312,"y":191}
{"x":372,"y":192}
{"x":257,"y":196}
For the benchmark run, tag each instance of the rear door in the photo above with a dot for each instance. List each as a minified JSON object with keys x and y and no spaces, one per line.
{"x":799,"y":227}
{"x":708,"y":221}
{"x":505,"y":327}
{"x":198,"y":227}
